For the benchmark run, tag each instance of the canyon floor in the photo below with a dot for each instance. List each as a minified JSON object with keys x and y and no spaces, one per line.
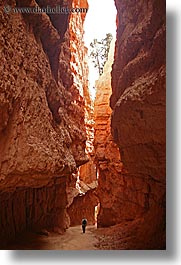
{"x":126,"y":236}
{"x":73,"y":239}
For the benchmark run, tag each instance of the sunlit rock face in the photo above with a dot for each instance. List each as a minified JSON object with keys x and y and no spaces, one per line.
{"x":107,"y":156}
{"x":79,"y":67}
{"x":42,"y":131}
{"x":138,"y":103}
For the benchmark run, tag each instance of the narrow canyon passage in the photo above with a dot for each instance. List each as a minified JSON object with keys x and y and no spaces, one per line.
{"x":65,"y":155}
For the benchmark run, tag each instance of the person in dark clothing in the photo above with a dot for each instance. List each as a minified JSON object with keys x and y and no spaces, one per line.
{"x":84,"y":224}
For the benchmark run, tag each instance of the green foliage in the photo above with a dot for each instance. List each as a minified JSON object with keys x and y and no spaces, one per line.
{"x":99,"y":52}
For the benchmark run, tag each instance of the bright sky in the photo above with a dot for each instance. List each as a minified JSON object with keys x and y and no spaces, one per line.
{"x":100,"y":19}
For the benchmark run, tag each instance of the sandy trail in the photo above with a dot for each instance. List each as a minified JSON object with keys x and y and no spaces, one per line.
{"x":125,"y":236}
{"x":73,"y":239}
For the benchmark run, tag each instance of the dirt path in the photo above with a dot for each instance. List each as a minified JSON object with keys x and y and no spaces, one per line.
{"x":73,"y":239}
{"x":128,"y":235}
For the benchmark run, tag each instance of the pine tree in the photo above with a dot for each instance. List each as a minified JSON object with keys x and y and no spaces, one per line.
{"x":99,"y":52}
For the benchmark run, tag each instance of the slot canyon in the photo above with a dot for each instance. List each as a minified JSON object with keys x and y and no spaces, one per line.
{"x":65,"y":156}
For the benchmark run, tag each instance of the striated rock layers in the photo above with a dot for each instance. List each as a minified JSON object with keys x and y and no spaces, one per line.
{"x":138,"y":103}
{"x":42,"y":131}
{"x":107,"y":156}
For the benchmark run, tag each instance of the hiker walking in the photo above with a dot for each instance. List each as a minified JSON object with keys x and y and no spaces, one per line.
{"x":84,"y":223}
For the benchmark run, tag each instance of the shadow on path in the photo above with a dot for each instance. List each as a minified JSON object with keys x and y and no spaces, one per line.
{"x":73,"y":239}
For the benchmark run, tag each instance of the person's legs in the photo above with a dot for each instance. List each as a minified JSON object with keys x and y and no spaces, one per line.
{"x":83,"y":228}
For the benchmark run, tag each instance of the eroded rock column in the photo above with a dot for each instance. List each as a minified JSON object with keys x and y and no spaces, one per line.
{"x":107,"y":156}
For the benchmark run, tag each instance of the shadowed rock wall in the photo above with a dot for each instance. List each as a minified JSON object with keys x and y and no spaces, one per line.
{"x":42,"y":131}
{"x":132,"y":180}
{"x":138,"y":102}
{"x":83,"y":206}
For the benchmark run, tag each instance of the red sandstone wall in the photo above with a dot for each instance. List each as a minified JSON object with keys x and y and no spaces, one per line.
{"x":138,"y":103}
{"x":83,"y":206}
{"x":42,"y":131}
{"x":107,"y":156}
